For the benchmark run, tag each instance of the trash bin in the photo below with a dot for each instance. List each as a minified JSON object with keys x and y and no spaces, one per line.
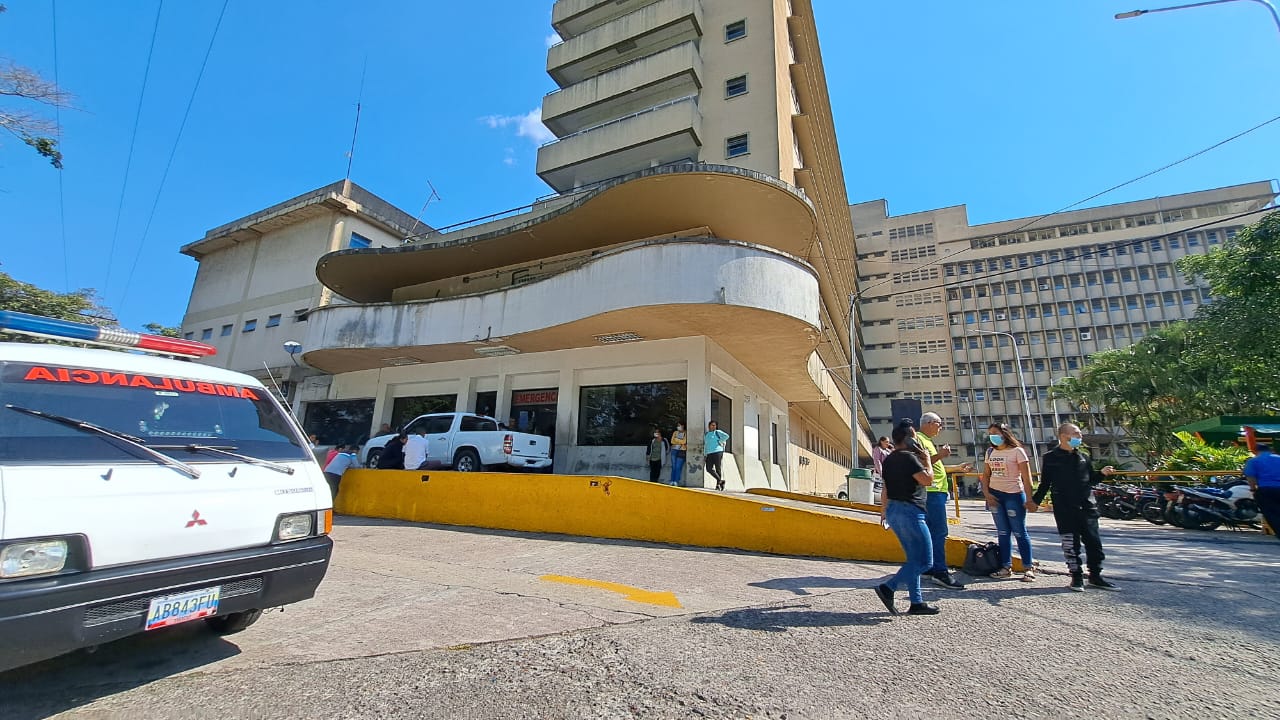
{"x":861,"y":486}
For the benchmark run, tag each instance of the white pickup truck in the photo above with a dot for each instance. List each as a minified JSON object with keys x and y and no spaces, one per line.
{"x":469,"y":443}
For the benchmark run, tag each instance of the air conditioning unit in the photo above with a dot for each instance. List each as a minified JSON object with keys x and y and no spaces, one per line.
{"x":1044,"y":287}
{"x":1000,"y":316}
{"x":1086,"y":335}
{"x":1124,"y":452}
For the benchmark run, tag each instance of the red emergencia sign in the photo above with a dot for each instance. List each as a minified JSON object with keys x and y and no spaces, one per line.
{"x":535,"y":397}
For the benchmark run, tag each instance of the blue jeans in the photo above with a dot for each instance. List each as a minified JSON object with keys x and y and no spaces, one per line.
{"x":677,"y":467}
{"x":1010,"y":515}
{"x":937,"y":519}
{"x":908,"y":522}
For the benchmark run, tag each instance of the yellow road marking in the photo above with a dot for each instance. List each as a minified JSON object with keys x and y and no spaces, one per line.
{"x":634,"y":594}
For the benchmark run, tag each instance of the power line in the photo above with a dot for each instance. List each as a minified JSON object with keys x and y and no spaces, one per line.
{"x":1095,"y":196}
{"x":57,"y":121}
{"x":172,"y":152}
{"x":133,"y":138}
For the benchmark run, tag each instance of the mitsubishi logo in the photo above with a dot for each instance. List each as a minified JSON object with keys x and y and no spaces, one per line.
{"x":196,"y":519}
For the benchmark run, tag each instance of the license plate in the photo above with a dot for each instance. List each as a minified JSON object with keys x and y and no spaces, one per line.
{"x":183,"y":607}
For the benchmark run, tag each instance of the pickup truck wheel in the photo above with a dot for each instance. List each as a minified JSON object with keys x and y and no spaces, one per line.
{"x":374,"y":455}
{"x":467,"y":460}
{"x":233,"y":623}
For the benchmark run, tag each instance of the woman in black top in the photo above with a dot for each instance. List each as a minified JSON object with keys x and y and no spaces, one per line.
{"x":902,"y":506}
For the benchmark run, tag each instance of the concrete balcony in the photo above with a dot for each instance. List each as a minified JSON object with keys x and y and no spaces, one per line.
{"x":571,"y":18}
{"x":640,"y":84}
{"x":656,"y":136}
{"x":645,"y":31}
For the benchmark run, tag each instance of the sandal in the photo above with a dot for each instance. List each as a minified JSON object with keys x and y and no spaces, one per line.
{"x":1002,"y":573}
{"x":1029,"y":575}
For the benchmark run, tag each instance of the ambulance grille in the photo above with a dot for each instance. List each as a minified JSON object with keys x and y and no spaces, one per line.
{"x":137,"y":608}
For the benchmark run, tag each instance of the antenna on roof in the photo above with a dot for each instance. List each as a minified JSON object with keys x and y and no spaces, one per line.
{"x":433,"y":196}
{"x":355,"y":131}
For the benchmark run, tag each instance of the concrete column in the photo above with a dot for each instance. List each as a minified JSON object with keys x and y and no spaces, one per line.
{"x":566,"y":419}
{"x":766,"y":440}
{"x":336,"y":239}
{"x":739,"y":431}
{"x":466,"y":402}
{"x":784,"y":446}
{"x":502,"y":407}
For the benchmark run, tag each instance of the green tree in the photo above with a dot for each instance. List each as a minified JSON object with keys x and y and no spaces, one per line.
{"x":158,"y":329}
{"x":79,"y":306}
{"x":23,"y":91}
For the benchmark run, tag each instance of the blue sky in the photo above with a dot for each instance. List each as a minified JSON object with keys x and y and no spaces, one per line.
{"x":1015,"y":107}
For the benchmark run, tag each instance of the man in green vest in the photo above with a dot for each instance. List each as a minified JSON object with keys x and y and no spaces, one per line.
{"x":936,"y":505}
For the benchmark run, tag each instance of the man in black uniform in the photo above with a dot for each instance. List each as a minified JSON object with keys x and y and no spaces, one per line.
{"x":1069,"y":475}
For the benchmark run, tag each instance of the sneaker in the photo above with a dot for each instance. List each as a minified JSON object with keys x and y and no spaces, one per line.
{"x":947,"y":581}
{"x":886,"y":596}
{"x":1029,"y":575}
{"x":1002,"y":573}
{"x":1097,"y":581}
{"x":922,"y":609}
{"x":1077,"y":582}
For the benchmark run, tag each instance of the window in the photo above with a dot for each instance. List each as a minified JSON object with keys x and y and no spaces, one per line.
{"x":189,"y":336}
{"x":627,"y":414}
{"x":336,"y":422}
{"x":733,"y":87}
{"x":471,"y":423}
{"x":734,"y":31}
{"x":359,"y":241}
{"x":1162,"y":272}
{"x":206,"y":334}
{"x":1156,"y":244}
{"x":405,"y":409}
{"x":226,"y":330}
{"x":736,"y":146}
{"x":1193,"y":240}
{"x":1144,"y":273}
{"x":273,"y":321}
{"x":250,"y":325}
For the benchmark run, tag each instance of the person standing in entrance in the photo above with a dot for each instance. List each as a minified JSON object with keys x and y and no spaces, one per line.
{"x":936,"y":505}
{"x":1069,"y":475}
{"x":878,"y":453}
{"x":657,"y":450}
{"x":679,"y":444}
{"x":713,"y":446}
{"x":902,"y":509}
{"x":1006,"y":484}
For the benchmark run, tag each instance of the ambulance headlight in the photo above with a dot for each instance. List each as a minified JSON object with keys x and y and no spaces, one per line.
{"x":36,"y":557}
{"x":295,"y":526}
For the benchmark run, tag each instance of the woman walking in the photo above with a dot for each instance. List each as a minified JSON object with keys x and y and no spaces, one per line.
{"x":713,"y":445}
{"x":902,"y":508}
{"x":1006,"y":484}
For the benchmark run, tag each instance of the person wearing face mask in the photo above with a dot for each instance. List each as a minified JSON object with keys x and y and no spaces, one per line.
{"x":1068,"y":473}
{"x":679,"y":444}
{"x":1006,"y":484}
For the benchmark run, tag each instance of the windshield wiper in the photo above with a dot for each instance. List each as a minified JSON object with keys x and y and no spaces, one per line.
{"x":225,"y":451}
{"x":129,"y":441}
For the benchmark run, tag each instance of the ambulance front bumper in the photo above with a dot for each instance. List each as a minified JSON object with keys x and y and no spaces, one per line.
{"x":44,"y":617}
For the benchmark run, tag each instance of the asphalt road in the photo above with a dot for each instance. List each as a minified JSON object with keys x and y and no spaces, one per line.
{"x":419,"y":621}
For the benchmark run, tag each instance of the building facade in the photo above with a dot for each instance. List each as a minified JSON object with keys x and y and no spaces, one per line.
{"x":256,"y":284}
{"x":951,"y":312}
{"x":693,"y":266}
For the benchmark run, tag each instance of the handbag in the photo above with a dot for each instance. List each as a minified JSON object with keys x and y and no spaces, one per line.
{"x":982,"y":559}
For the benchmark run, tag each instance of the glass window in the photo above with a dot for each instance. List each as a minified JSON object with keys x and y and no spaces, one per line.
{"x":405,"y":409}
{"x":273,"y":321}
{"x":1144,"y":273}
{"x":226,"y":330}
{"x":431,"y":425}
{"x":1162,"y":272}
{"x":166,"y":412}
{"x":473,"y":423}
{"x":734,"y":87}
{"x":734,"y":31}
{"x":627,"y":414}
{"x":1193,"y":239}
{"x":250,"y":325}
{"x":206,"y":334}
{"x":339,"y":422}
{"x":359,"y":241}
{"x":736,"y":146}
{"x":189,"y":336}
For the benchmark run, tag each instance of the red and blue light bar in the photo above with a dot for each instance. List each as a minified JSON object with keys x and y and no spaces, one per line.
{"x":55,"y":329}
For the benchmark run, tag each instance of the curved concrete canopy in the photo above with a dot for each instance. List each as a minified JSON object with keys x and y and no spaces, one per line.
{"x":757,"y":303}
{"x":735,"y":203}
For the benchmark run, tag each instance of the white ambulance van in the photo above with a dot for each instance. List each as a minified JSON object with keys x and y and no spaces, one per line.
{"x":139,"y":492}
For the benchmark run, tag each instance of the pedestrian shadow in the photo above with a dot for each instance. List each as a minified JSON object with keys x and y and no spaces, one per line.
{"x":802,"y":585}
{"x":783,"y":618}
{"x":54,"y":686}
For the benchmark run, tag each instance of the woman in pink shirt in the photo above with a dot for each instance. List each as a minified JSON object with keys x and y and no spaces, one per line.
{"x":879,"y":453}
{"x":1006,"y":484}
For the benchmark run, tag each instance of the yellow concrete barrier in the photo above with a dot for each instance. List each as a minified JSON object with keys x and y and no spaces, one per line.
{"x":611,"y":507}
{"x":815,"y":499}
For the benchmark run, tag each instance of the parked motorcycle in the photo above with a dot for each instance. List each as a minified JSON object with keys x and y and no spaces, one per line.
{"x":1160,"y":509}
{"x":1207,"y":508}
{"x":1118,"y":502}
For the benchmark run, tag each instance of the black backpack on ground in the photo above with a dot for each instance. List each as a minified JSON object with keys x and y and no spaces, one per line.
{"x":982,"y":559}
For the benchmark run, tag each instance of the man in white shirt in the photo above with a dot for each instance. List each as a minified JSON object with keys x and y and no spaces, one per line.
{"x":415,"y":450}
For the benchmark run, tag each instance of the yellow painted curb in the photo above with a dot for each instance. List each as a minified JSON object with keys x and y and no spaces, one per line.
{"x":611,"y":507}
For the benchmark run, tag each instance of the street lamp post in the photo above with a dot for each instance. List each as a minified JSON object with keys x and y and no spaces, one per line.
{"x":1057,"y":422}
{"x":853,"y":383}
{"x":1022,"y":386}
{"x":1137,"y":13}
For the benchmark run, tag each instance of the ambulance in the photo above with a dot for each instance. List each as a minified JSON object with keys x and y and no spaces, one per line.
{"x":139,"y":492}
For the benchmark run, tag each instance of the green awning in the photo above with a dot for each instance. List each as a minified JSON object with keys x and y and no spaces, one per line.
{"x":1231,"y":427}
